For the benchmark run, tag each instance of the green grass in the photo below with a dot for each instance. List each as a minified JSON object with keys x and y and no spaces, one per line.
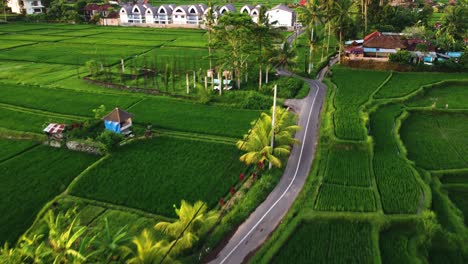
{"x":184,"y":116}
{"x":403,"y":83}
{"x":345,"y":198}
{"x":103,"y":41}
{"x":349,"y":165}
{"x":399,"y":190}
{"x":61,"y":100}
{"x":450,"y":97}
{"x":25,"y":189}
{"x":67,"y":53}
{"x":10,"y":148}
{"x":436,"y":140}
{"x":329,"y":241}
{"x":353,"y":89}
{"x":154,"y":175}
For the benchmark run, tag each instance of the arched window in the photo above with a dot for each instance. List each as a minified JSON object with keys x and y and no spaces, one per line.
{"x":162,"y":11}
{"x":192,"y":11}
{"x":254,"y":13}
{"x":135,"y":10}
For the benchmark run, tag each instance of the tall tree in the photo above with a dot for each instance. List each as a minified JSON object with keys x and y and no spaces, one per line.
{"x":342,"y":19}
{"x":148,"y":250}
{"x":311,"y":15}
{"x":233,"y":36}
{"x":265,"y":33}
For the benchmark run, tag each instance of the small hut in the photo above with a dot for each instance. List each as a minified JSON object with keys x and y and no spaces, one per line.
{"x":118,"y":121}
{"x":54,"y":131}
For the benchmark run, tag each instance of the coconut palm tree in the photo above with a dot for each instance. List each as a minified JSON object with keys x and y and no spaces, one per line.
{"x":109,"y":244}
{"x":341,"y":19}
{"x":147,"y":250}
{"x":195,"y":219}
{"x":257,"y":143}
{"x":311,"y":15}
{"x":283,"y":57}
{"x":66,"y":239}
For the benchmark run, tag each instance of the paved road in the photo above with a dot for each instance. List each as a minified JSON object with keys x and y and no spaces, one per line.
{"x":255,"y":230}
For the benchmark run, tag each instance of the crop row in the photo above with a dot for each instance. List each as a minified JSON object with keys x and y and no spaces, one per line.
{"x":329,"y":241}
{"x":396,"y":180}
{"x":334,"y":197}
{"x":436,"y":141}
{"x":458,"y":194}
{"x":25,"y":189}
{"x":9,"y":148}
{"x":353,"y":89}
{"x":60,"y":100}
{"x":156,"y":174}
{"x":348,"y":164}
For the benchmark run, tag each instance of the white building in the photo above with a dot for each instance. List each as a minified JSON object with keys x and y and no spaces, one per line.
{"x":29,"y":6}
{"x":186,"y":14}
{"x":252,"y":11}
{"x":282,"y":15}
{"x":218,"y":11}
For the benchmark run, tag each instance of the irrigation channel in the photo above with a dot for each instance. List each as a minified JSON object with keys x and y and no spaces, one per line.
{"x":263,"y":221}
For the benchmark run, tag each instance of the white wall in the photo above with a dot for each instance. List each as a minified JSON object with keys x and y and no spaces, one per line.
{"x":179,"y":18}
{"x":284,"y":18}
{"x":28,"y":6}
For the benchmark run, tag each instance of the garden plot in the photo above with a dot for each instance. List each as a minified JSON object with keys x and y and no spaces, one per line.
{"x":68,"y":53}
{"x":329,"y":241}
{"x":156,"y":174}
{"x":25,"y":189}
{"x":334,"y":197}
{"x":436,"y":140}
{"x":348,"y":165}
{"x":403,"y":83}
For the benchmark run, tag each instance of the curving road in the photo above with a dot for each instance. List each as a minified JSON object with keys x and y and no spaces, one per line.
{"x":263,"y":221}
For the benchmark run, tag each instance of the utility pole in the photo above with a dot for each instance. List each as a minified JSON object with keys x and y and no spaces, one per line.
{"x":273,"y":115}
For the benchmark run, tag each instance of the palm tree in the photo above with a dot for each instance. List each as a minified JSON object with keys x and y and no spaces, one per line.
{"x":195,"y":219}
{"x":311,"y":15}
{"x":284,"y":57}
{"x":257,"y":143}
{"x":65,"y":239}
{"x":147,"y":250}
{"x":34,"y":249}
{"x":109,"y":244}
{"x":341,"y":18}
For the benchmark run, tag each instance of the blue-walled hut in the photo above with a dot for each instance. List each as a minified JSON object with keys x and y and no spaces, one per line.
{"x":118,"y":121}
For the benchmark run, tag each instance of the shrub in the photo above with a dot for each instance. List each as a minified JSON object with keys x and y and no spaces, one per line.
{"x":254,"y":100}
{"x":402,"y":56}
{"x":288,"y":87}
{"x":110,"y":139}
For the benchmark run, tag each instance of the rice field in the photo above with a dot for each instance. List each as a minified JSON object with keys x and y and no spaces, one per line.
{"x":153,"y":175}
{"x":25,"y":189}
{"x":334,"y":197}
{"x":329,"y":241}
